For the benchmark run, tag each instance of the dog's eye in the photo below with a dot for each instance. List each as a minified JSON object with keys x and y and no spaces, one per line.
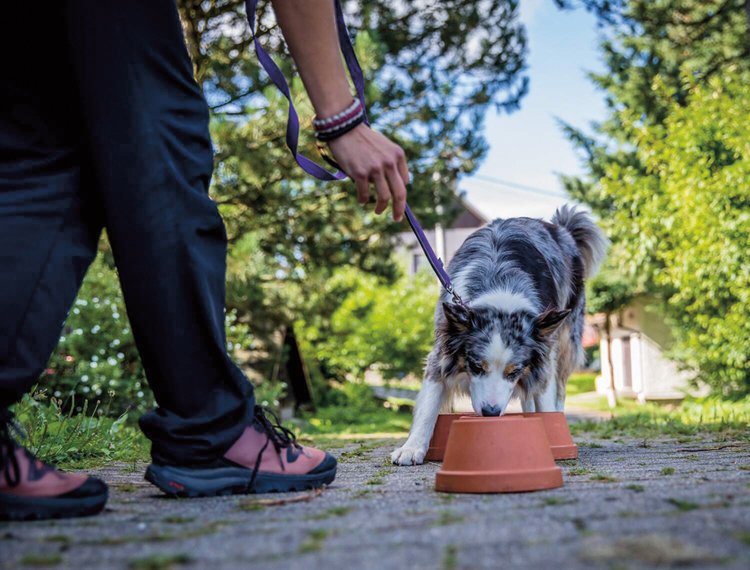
{"x":512,"y":370}
{"x":478,"y":367}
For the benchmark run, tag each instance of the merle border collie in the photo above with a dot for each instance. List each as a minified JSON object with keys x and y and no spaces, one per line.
{"x":518,"y":332}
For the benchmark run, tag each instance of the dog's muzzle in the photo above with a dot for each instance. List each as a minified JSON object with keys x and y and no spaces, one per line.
{"x":491,"y":411}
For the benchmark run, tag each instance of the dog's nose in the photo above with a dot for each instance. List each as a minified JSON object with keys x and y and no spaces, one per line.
{"x":491,"y":410}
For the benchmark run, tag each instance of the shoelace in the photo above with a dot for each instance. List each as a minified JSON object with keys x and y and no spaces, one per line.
{"x":278,"y":435}
{"x":8,"y":460}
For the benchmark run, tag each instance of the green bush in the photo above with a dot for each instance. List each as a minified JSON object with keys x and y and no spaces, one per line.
{"x":681,"y":217}
{"x":97,"y":359}
{"x":373,"y":324}
{"x":352,"y":408}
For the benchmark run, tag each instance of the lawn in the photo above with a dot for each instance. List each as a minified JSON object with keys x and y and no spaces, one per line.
{"x":581,"y":383}
{"x":692,"y":417}
{"x":90,"y":440}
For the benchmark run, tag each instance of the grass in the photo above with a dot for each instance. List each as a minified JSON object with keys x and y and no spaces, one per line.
{"x":581,"y":383}
{"x":315,"y":540}
{"x":159,"y":562}
{"x":333,"y":512}
{"x":450,"y":557}
{"x":636,"y":488}
{"x":556,"y":501}
{"x":91,"y":439}
{"x":446,"y":518}
{"x":360,"y":452}
{"x":683,"y":505}
{"x":61,"y":538}
{"x":250,"y":506}
{"x":77,"y":441}
{"x":41,"y":560}
{"x":667,"y":471}
{"x":178,"y":520}
{"x":377,"y":477}
{"x":342,"y":420}
{"x":692,"y":417}
{"x":603,"y":478}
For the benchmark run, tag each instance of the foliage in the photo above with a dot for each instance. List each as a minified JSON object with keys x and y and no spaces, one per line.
{"x":692,"y":417}
{"x":432,"y":72}
{"x":581,"y":383}
{"x":77,"y":440}
{"x":697,"y":225}
{"x":352,"y":409}
{"x":97,"y":358}
{"x":372,"y":324}
{"x":666,"y":172}
{"x":610,"y":291}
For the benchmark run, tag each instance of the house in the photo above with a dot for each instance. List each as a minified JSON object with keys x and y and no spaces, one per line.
{"x":444,"y":240}
{"x":639,"y":343}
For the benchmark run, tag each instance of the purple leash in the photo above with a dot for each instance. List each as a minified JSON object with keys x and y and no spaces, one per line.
{"x":293,"y":126}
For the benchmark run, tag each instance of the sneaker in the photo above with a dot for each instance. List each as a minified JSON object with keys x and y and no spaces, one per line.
{"x":33,"y":490}
{"x":265,"y":459}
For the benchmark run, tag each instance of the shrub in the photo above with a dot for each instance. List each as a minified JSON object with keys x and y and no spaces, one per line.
{"x":97,"y":358}
{"x":373,"y":324}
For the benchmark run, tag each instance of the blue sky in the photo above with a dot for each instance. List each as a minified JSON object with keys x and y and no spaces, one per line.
{"x":527,"y":147}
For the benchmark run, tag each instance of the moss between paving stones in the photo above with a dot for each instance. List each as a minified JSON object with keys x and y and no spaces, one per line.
{"x":159,"y":561}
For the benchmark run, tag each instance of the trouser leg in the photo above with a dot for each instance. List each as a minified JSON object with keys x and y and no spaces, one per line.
{"x":49,"y":226}
{"x":146,"y":124}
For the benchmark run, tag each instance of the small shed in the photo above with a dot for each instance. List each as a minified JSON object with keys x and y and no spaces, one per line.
{"x":639,"y":343}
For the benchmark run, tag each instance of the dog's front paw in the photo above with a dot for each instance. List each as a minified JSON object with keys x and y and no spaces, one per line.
{"x":408,"y":455}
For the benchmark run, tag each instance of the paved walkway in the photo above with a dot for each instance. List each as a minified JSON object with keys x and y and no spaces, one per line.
{"x":624,"y":505}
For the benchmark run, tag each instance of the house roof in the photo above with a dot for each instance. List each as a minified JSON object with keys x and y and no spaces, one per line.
{"x":468,"y":216}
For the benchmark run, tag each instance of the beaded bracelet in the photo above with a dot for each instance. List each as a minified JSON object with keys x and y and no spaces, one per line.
{"x":331,"y":128}
{"x":327,"y":122}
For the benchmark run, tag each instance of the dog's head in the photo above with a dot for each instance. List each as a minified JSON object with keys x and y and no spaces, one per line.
{"x":497,"y":350}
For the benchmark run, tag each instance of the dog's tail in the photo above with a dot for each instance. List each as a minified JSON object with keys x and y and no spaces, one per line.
{"x":591,"y":241}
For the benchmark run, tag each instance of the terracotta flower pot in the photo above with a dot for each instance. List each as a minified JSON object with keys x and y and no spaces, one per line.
{"x":558,"y":433}
{"x":440,"y":435}
{"x":498,"y":455}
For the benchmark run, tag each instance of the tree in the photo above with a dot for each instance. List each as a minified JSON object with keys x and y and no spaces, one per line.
{"x":653,"y":51}
{"x":664,"y":61}
{"x":433,"y":69}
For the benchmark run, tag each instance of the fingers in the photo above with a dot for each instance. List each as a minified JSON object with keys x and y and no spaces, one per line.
{"x":363,"y":189}
{"x":403,"y":168}
{"x":383,"y":191}
{"x":398,"y":191}
{"x":370,"y":158}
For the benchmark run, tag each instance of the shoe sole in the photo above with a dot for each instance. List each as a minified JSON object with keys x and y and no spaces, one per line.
{"x":193,"y":483}
{"x":14,"y":508}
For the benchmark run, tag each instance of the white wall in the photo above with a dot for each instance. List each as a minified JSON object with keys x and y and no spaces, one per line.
{"x":653,"y":376}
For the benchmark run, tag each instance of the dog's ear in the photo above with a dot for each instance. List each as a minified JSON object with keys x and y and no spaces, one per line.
{"x":549,"y":321}
{"x":457,"y":316}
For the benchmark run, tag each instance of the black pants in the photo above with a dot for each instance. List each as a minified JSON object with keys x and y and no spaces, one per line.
{"x":104,"y":126}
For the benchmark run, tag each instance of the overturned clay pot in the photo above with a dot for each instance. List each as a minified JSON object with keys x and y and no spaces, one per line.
{"x":436,"y":450}
{"x":507,"y":454}
{"x":558,"y":433}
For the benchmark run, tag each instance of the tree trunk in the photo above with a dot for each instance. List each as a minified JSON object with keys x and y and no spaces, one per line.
{"x":612,"y":391}
{"x":189,"y":12}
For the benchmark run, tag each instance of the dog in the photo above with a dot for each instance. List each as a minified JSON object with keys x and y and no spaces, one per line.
{"x":517,"y":330}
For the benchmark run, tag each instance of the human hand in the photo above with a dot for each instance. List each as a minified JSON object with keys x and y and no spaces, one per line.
{"x":369,"y":157}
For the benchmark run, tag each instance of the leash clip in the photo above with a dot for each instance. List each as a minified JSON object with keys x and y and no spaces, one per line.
{"x":456,"y":297}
